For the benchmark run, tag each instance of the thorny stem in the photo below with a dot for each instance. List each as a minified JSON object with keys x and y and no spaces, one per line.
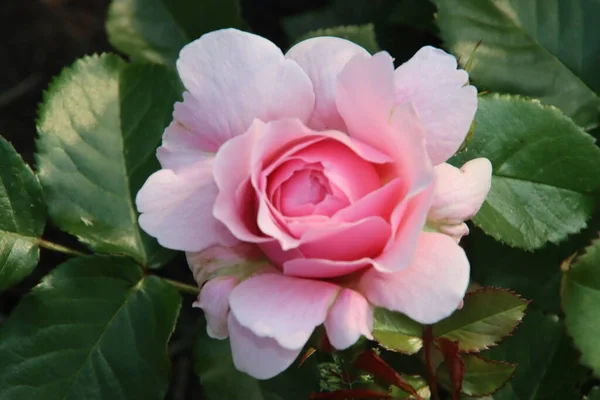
{"x":182,"y":287}
{"x":427,"y":343}
{"x":60,"y":248}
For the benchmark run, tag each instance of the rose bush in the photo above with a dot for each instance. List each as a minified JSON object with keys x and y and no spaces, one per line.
{"x":309,"y":187}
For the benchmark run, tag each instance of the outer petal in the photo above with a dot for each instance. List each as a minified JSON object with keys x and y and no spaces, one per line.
{"x":322,"y":59}
{"x":427,"y":291}
{"x":218,"y":260}
{"x":350,"y":317}
{"x":232,"y":172}
{"x":365,"y":100}
{"x":444,"y":101}
{"x":234,"y":77}
{"x":409,"y":217}
{"x":259,"y":357}
{"x":214,"y":301}
{"x":459,"y":193}
{"x":176,"y":208}
{"x":284,"y":308}
{"x":316,"y":268}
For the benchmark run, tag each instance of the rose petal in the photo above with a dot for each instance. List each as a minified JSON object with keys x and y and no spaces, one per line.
{"x":316,"y":268}
{"x":232,"y":168}
{"x":365,"y":100}
{"x":281,"y":307}
{"x":347,"y":241}
{"x":355,"y":176}
{"x":232,"y":78}
{"x":322,"y":59}
{"x":408,"y":219}
{"x":176,"y":208}
{"x":259,"y":357}
{"x":182,"y":147}
{"x":206,"y":264}
{"x":430,"y":289}
{"x":349,"y":318}
{"x":459,"y":193}
{"x":444,"y":101}
{"x":214,"y":301}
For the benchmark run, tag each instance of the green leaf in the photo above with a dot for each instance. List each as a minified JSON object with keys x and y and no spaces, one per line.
{"x":487,"y":316}
{"x":580,"y":298}
{"x":532,"y":48}
{"x":221,"y":380}
{"x":545,"y":171}
{"x":416,"y":382}
{"x":94,"y":328}
{"x":482,"y":377}
{"x":594,"y":394}
{"x":397,"y":332}
{"x":99,"y":126}
{"x":155,"y":30}
{"x":22,"y":217}
{"x":547,"y":366}
{"x":534,"y":275}
{"x":362,"y":35}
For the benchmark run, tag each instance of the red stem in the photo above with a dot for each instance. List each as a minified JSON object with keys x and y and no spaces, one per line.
{"x":431,"y":380}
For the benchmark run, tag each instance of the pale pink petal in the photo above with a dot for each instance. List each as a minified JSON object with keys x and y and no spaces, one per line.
{"x":259,"y":357}
{"x":322,"y":58}
{"x":218,"y":260}
{"x":181,"y":147}
{"x":177,"y":209}
{"x":214,"y":301}
{"x":408,"y":219}
{"x":349,"y":318}
{"x":316,"y":268}
{"x":284,"y":308}
{"x":444,"y":101}
{"x":235,"y":77}
{"x":430,"y":289}
{"x":365,"y":100}
{"x":459,"y":193}
{"x":232,"y":169}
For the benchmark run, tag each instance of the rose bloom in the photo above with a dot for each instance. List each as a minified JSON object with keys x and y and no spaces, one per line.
{"x":309,"y":188}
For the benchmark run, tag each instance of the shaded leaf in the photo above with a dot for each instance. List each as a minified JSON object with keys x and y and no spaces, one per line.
{"x":547,"y":359}
{"x":545,"y":171}
{"x":99,"y":126}
{"x":487,"y":316}
{"x":22,"y":217}
{"x":362,"y":35}
{"x":155,"y":30}
{"x":482,"y":377}
{"x":94,"y":328}
{"x":536,"y":48}
{"x":534,"y":275}
{"x":397,"y":332}
{"x":580,"y":298}
{"x":220,"y":379}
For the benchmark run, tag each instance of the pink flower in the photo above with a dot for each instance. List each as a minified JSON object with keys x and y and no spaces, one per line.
{"x":308,"y":188}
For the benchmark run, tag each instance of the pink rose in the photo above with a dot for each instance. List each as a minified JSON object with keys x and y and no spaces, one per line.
{"x":308,"y":188}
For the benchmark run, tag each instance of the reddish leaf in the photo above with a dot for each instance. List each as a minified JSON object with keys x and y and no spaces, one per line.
{"x":351,"y":394}
{"x":369,"y":361}
{"x":455,"y":365}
